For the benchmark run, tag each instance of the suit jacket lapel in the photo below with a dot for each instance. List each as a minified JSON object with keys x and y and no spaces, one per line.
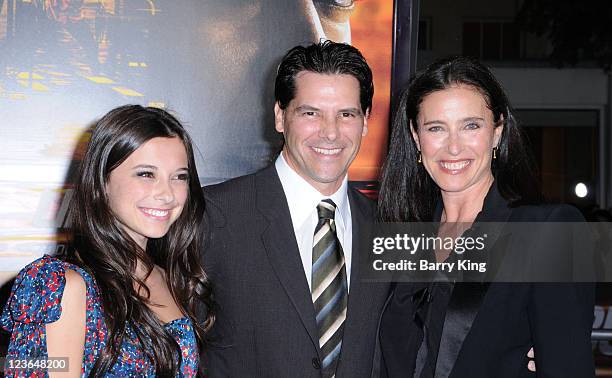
{"x":281,"y":247}
{"x":362,"y":296}
{"x":462,"y":309}
{"x":467,"y":297}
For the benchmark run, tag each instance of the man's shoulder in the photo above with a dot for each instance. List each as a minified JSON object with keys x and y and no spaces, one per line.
{"x":230,"y":187}
{"x":240,"y":185}
{"x":361,"y":192}
{"x":358,"y":197}
{"x":242,"y":192}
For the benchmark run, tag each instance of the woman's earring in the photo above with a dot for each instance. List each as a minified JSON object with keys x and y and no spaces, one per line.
{"x":494,"y":153}
{"x":419,"y":160}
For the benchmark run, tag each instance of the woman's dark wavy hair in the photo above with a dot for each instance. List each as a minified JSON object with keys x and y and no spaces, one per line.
{"x":407,"y":192}
{"x":103,"y":248}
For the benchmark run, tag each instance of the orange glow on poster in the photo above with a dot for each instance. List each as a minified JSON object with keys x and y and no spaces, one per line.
{"x":372,"y":34}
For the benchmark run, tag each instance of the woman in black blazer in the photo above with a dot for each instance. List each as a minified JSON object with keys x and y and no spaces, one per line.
{"x":456,"y":157}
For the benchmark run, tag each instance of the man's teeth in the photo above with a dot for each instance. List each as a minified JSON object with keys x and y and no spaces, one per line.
{"x":157,"y":213}
{"x":455,"y":166}
{"x":325,"y":151}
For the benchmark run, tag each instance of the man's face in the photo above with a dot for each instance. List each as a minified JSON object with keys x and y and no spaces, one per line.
{"x":322,"y":126}
{"x":234,"y":40}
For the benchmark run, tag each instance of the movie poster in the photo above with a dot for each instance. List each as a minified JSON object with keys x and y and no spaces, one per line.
{"x":63,"y":64}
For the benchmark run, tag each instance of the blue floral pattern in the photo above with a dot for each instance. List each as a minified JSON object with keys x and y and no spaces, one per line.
{"x":36,"y":300}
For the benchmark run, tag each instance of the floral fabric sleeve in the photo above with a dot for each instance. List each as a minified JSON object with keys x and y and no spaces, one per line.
{"x":35,"y":301}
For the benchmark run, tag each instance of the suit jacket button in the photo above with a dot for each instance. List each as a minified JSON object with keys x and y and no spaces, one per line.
{"x":316,"y":363}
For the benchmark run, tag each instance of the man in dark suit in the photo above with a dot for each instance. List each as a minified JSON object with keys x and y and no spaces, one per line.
{"x":282,"y":248}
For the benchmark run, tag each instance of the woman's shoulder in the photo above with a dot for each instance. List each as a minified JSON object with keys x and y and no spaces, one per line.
{"x":38,"y":290}
{"x":547,"y":213}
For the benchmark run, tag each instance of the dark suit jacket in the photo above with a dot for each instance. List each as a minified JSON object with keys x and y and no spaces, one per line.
{"x":266,"y":323}
{"x":477,"y":329}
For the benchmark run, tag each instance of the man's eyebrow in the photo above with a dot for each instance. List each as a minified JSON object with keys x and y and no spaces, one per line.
{"x":307,"y":108}
{"x":350,"y":110}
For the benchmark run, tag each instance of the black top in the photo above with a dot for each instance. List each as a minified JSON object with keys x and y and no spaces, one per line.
{"x":480,"y":329}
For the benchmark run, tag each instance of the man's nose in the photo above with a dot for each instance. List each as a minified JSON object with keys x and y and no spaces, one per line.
{"x":329,"y":129}
{"x":334,"y":17}
{"x":311,"y":19}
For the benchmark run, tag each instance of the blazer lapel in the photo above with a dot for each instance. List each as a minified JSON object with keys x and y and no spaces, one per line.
{"x":467,"y":297}
{"x":362,"y":296}
{"x":282,"y":249}
{"x":461,"y":311}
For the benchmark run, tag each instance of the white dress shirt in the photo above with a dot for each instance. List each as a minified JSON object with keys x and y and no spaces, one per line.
{"x":303,"y":199}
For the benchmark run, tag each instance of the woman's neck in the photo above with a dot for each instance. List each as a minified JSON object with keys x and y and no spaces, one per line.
{"x":464,"y":207}
{"x":141,"y":271}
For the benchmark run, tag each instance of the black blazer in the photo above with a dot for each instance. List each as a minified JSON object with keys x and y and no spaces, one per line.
{"x":266,"y":323}
{"x":475,"y":329}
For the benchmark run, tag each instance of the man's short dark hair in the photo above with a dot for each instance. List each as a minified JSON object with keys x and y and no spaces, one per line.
{"x":325,"y":57}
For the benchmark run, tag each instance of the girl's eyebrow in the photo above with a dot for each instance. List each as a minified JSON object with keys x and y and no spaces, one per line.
{"x":147,"y":166}
{"x":152,"y":167}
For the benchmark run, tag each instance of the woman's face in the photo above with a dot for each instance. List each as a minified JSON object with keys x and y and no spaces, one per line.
{"x":456,"y":135}
{"x":148,"y":190}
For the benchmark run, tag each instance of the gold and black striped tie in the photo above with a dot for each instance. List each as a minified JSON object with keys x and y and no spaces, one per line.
{"x":329,"y":287}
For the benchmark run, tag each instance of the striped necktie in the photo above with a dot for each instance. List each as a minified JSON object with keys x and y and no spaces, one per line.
{"x":329,"y":287}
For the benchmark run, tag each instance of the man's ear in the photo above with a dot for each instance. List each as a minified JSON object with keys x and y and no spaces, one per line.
{"x":364,"y":132}
{"x":279,"y":115}
{"x":415,"y":136}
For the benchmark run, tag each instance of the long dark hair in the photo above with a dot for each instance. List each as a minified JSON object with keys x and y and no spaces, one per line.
{"x":407,"y":192}
{"x":103,"y":248}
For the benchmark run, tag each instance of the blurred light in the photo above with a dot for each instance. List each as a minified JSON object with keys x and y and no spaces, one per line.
{"x":581,"y":190}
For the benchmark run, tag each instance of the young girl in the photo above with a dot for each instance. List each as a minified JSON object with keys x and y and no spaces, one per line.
{"x":122,"y":301}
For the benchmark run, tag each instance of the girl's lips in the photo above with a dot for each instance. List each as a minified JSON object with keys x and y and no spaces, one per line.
{"x":159,"y":214}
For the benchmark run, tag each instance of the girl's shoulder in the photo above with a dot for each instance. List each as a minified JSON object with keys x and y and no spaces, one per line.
{"x":37,"y":292}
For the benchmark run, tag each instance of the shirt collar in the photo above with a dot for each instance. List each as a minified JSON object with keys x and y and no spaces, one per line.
{"x":303,"y":198}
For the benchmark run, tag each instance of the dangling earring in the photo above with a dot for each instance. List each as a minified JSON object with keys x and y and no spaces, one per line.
{"x":494,"y":152}
{"x":419,"y":160}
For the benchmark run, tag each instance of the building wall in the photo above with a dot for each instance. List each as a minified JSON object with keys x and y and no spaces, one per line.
{"x":446,"y":20}
{"x":552,"y":87}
